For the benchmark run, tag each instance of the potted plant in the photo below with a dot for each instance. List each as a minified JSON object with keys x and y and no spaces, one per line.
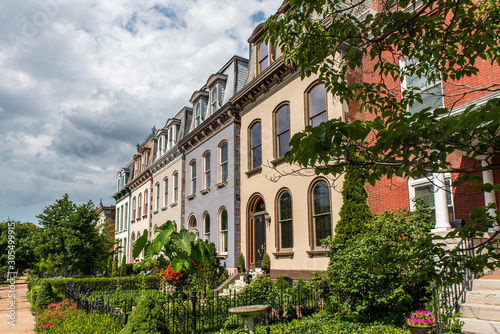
{"x":266,"y":263}
{"x":241,"y":263}
{"x":421,"y":322}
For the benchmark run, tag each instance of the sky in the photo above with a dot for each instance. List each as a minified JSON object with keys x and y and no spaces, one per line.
{"x":83,"y":81}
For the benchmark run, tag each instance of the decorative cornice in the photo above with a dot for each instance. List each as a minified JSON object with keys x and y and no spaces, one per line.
{"x":165,"y":160}
{"x":140,"y":180}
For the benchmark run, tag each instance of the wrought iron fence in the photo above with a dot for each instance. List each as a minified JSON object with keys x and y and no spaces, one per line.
{"x":447,"y":299}
{"x":202,"y":312}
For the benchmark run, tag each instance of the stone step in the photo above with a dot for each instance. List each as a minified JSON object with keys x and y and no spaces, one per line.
{"x":476,"y":326}
{"x":490,"y":297}
{"x":481,"y":311}
{"x":486,"y":284}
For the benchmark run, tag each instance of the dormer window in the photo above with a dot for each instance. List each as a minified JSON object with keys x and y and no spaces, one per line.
{"x":197,"y":119}
{"x":263,"y":56}
{"x":215,"y":99}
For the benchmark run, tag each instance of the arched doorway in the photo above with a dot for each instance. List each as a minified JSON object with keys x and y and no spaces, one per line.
{"x":256,"y":231}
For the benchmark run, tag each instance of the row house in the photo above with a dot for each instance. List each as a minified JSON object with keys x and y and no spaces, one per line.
{"x":141,"y":186}
{"x":168,"y":172}
{"x":211,"y":148}
{"x":122,"y":220}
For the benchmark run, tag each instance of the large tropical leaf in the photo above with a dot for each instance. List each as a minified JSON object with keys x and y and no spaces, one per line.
{"x":140,"y":244}
{"x":178,"y":264}
{"x":184,"y":240}
{"x":148,"y":252}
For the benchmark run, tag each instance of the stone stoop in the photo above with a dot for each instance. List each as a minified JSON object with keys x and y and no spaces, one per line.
{"x":239,"y":284}
{"x":481,"y":310}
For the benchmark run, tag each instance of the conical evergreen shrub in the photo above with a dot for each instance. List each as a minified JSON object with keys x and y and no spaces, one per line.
{"x":45,"y":296}
{"x":147,"y":318}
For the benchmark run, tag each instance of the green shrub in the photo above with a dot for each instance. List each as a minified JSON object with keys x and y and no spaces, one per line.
{"x":266,"y":260}
{"x":32,"y":296}
{"x":109,"y":283}
{"x":54,"y":315}
{"x":93,"y":323}
{"x":45,"y":296}
{"x":241,"y":262}
{"x":109,"y":267}
{"x":377,"y":276}
{"x":147,"y":318}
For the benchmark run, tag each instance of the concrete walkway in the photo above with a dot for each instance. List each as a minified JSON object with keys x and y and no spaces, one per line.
{"x":23,"y":321}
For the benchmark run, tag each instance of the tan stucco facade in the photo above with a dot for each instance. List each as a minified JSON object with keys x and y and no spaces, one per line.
{"x":304,"y":257}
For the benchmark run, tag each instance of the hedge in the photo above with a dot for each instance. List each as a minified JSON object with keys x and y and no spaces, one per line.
{"x":107,"y":283}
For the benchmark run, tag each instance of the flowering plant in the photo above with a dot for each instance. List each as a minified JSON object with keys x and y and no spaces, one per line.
{"x":55,"y":314}
{"x":421,"y":318}
{"x":171,"y":276}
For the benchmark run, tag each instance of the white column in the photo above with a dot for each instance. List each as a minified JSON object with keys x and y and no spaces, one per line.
{"x":490,"y":197}
{"x":441,"y":204}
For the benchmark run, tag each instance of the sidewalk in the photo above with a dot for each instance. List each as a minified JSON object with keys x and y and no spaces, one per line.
{"x":24,"y":322}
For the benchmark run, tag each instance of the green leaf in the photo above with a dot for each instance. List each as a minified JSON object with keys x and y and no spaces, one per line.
{"x":139,"y":244}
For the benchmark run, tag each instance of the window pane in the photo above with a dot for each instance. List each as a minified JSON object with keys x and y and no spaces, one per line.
{"x":223,"y":220}
{"x":318,"y":119}
{"x":285,"y":206}
{"x":283,"y":143}
{"x":262,"y":51}
{"x":323,"y":228}
{"x":223,"y":242}
{"x":207,"y":162}
{"x":193,"y":170}
{"x":206,"y":226}
{"x":282,"y":119}
{"x":223,"y":153}
{"x":427,"y":192}
{"x":256,"y":157}
{"x":224,"y":172}
{"x":256,"y":134}
{"x":429,"y":101}
{"x":286,"y":234}
{"x":321,"y":198}
{"x":214,"y":94}
{"x":317,"y":100}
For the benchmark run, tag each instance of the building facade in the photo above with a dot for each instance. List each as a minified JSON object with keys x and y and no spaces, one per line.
{"x":122,"y":217}
{"x":211,"y":148}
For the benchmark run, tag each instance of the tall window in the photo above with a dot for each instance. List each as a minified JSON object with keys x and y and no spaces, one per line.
{"x":121,"y":219}
{"x":126,"y":216}
{"x":206,"y":227}
{"x":431,"y":91}
{"x":117,"y":220}
{"x":176,"y":187}
{"x":146,"y":200}
{"x":285,"y":220}
{"x":134,"y":206}
{"x":223,"y":162}
{"x":170,"y":138}
{"x":192,"y":172}
{"x":223,"y":232}
{"x":282,"y":121}
{"x":263,"y":56}
{"x":321,"y":213}
{"x":255,"y":146}
{"x":140,"y":206}
{"x":157,"y":193}
{"x":165,"y":192}
{"x":215,"y":99}
{"x":316,"y":104}
{"x":424,"y":187}
{"x":206,"y":170}
{"x":197,"y":116}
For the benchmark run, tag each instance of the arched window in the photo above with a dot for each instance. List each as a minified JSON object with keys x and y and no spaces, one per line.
{"x":146,"y":201}
{"x":192,"y":176}
{"x":263,"y":56}
{"x":134,"y":206}
{"x":165,"y":192}
{"x":282,"y":130}
{"x":206,"y":170}
{"x":321,"y":212}
{"x":316,"y":104}
{"x":223,"y":227}
{"x":193,"y":226}
{"x":139,"y":211}
{"x":255,"y":146}
{"x":285,"y":226}
{"x":176,"y":187}
{"x":223,"y":167}
{"x":206,"y":227}
{"x":157,"y":194}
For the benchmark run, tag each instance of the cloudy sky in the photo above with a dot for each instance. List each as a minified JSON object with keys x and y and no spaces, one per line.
{"x":82,"y":81}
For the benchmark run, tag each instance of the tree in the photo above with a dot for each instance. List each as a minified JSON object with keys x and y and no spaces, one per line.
{"x":393,"y":132}
{"x":45,"y":296}
{"x":354,"y":213}
{"x":147,"y":318}
{"x":21,"y":243}
{"x":70,"y":239}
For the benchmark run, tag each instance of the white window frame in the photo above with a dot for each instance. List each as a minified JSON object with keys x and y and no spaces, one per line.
{"x":165,"y":191}
{"x":413,"y":183}
{"x":214,"y":103}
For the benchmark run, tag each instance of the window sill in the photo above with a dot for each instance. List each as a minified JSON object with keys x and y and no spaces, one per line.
{"x":138,"y":219}
{"x":145,"y":216}
{"x":164,"y":208}
{"x":132,"y":221}
{"x":222,"y":256}
{"x":283,"y":254}
{"x":205,"y":191}
{"x":190,"y":197}
{"x":173,"y":204}
{"x":278,"y":161}
{"x":155,"y":212}
{"x":221,"y":184}
{"x":254,"y":171}
{"x":319,"y":252}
